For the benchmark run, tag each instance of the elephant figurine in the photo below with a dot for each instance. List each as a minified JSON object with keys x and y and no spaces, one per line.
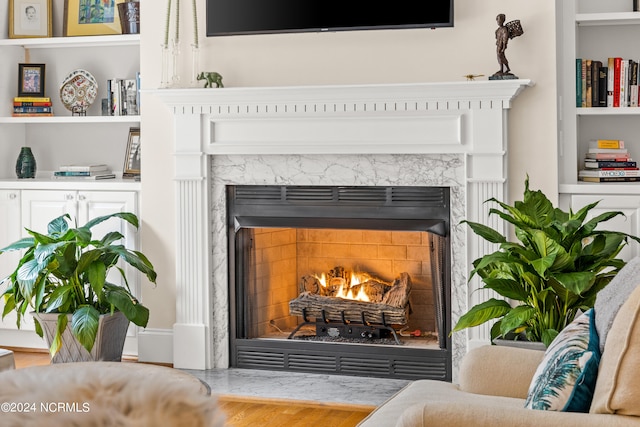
{"x":211,"y":77}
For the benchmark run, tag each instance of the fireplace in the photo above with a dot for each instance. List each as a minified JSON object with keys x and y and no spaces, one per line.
{"x":340,"y":279}
{"x":450,"y":135}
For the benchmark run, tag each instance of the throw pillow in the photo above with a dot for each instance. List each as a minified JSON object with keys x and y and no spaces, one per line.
{"x":566,"y":378}
{"x":611,"y":298}
{"x":618,"y":388}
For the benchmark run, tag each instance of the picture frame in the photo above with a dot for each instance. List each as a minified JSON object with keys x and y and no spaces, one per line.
{"x":30,"y":18}
{"x":91,"y":18}
{"x":31,"y":80}
{"x":132,"y":155}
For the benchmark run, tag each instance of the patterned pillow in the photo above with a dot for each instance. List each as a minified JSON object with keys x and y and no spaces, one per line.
{"x":566,"y":377}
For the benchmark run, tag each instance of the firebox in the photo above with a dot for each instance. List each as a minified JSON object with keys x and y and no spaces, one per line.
{"x":340,"y":280}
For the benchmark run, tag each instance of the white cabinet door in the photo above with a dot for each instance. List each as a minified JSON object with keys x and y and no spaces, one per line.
{"x":630,"y":223}
{"x":39,"y":207}
{"x":10,"y":231}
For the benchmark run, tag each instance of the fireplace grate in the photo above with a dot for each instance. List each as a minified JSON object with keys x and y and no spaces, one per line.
{"x":343,"y":359}
{"x":371,"y":196}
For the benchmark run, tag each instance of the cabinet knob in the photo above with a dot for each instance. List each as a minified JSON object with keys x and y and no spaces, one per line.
{"x":81,"y":197}
{"x":69,"y":197}
{"x":12,"y":196}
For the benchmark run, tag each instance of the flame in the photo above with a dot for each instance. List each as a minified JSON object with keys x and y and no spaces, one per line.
{"x":346,"y":291}
{"x":323,"y":280}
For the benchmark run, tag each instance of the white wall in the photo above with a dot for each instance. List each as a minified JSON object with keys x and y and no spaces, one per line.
{"x":399,"y":56}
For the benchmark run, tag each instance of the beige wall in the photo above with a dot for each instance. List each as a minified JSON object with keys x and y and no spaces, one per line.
{"x":400,"y":56}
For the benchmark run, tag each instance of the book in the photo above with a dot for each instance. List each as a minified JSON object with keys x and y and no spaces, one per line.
{"x":610,"y":80}
{"x":624,"y":83}
{"x":609,"y":156}
{"x":609,"y":173}
{"x":588,"y":94}
{"x":583,"y":79}
{"x":633,"y":84}
{"x":606,"y":143}
{"x":84,"y":168}
{"x":607,"y":150}
{"x":31,"y":104}
{"x":609,"y":179}
{"x":604,"y":164}
{"x":100,"y":176}
{"x":31,"y":99}
{"x":617,"y":68}
{"x":32,"y":109}
{"x":602,"y":87}
{"x":578,"y":82}
{"x":31,"y":114}
{"x":595,"y":82}
{"x":81,"y":173}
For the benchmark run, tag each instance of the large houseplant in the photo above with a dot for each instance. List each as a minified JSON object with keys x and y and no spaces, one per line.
{"x":559,"y":264}
{"x":65,"y":272}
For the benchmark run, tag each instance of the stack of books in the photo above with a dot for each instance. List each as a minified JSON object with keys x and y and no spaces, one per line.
{"x":27,"y":106}
{"x":98,"y":171}
{"x":609,"y":161}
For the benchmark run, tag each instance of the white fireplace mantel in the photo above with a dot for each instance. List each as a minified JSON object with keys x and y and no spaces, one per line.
{"x":459,"y":130}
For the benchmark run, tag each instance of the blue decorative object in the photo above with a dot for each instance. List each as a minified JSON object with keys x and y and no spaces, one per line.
{"x":566,"y":377}
{"x":26,"y":164}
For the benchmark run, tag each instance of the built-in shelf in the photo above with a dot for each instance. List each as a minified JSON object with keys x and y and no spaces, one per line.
{"x":70,"y":119}
{"x":44,"y":183}
{"x":608,"y":111}
{"x":614,"y":18}
{"x":74,"y":42}
{"x":609,"y":188}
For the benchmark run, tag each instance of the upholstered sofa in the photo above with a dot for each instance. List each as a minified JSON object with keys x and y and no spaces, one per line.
{"x":494,"y":381}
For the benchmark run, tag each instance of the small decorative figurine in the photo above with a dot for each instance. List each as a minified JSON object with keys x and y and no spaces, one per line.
{"x":503,"y":34}
{"x":472,"y":77}
{"x":211,"y":77}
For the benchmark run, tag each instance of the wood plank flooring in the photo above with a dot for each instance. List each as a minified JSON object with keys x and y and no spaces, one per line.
{"x":252,"y":412}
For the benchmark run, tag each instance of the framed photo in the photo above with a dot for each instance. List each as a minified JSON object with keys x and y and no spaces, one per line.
{"x":30,"y":18}
{"x":31,"y":80}
{"x":132,"y":155}
{"x":91,"y":17}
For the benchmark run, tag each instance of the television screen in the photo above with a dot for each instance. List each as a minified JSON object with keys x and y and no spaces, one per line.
{"x":229,"y":17}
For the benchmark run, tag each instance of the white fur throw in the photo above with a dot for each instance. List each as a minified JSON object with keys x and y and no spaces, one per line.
{"x":105,"y":394}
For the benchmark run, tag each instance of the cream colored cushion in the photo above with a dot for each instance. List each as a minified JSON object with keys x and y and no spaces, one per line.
{"x":618,"y":389}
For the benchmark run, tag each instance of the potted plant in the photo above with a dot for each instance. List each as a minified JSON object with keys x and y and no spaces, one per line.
{"x":63,"y":275}
{"x":555,"y":269}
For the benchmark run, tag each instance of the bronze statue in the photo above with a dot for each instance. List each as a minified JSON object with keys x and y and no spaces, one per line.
{"x":504,"y":33}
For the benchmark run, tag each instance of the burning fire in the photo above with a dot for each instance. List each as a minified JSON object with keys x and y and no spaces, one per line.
{"x":346,"y":290}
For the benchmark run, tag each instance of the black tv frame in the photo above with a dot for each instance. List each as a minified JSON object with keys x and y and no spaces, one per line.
{"x":321,"y":16}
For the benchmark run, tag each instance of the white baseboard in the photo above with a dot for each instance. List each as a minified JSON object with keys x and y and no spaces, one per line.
{"x":155,"y":345}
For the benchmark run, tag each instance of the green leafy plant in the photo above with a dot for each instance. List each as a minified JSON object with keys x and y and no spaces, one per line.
{"x":556,"y":269}
{"x":65,"y":271}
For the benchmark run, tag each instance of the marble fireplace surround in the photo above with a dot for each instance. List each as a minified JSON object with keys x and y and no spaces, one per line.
{"x":425,"y":134}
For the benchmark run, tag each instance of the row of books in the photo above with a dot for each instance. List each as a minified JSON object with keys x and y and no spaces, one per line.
{"x":611,"y":83}
{"x":27,"y":106}
{"x":609,"y":161}
{"x":123,"y":97}
{"x":97,"y":171}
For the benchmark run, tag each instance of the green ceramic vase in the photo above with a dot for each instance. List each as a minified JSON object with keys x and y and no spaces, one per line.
{"x":26,"y":164}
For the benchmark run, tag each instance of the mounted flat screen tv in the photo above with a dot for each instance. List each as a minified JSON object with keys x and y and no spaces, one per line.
{"x":231,"y":17}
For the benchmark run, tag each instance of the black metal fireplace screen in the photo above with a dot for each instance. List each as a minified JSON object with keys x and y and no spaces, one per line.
{"x":284,"y":316}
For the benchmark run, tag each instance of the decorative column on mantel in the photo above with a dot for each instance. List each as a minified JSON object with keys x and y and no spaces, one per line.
{"x":467,"y":119}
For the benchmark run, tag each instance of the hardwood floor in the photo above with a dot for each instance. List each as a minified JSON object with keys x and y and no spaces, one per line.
{"x":251,"y":412}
